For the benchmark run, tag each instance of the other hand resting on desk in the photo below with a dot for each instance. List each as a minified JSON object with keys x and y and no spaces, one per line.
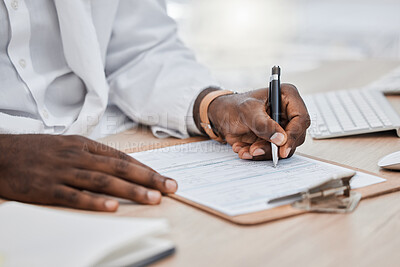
{"x":47,"y":169}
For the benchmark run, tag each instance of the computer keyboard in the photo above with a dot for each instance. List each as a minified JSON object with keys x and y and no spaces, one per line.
{"x":389,"y":83}
{"x":350,"y":112}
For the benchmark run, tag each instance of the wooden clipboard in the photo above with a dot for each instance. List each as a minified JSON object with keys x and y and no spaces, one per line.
{"x":392,"y":184}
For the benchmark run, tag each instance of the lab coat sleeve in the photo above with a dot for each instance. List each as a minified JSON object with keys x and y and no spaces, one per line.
{"x":153,"y":77}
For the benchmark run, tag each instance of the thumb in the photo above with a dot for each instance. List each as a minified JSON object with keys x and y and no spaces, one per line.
{"x":264,"y":127}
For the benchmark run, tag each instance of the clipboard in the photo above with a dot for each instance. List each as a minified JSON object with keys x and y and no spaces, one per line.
{"x":390,"y":185}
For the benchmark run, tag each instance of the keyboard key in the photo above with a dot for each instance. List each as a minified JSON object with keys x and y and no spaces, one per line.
{"x":366,"y":109}
{"x":353,"y":111}
{"x":327,"y":114}
{"x":340,"y":112}
{"x":378,"y":110}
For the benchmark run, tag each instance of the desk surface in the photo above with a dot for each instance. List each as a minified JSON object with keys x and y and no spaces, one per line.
{"x":367,"y":237}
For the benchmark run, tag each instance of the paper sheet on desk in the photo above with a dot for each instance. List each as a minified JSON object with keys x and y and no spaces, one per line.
{"x":211,"y":174}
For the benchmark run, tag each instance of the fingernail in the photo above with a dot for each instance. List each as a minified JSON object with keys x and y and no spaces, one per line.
{"x":258,"y":152}
{"x":171,"y":186}
{"x":111,"y":204}
{"x":287,"y":152}
{"x":237,"y":148}
{"x":153,"y":196}
{"x":246,"y":155}
{"x":278,"y":139}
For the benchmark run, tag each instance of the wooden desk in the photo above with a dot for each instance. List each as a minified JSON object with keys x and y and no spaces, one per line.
{"x":370,"y":236}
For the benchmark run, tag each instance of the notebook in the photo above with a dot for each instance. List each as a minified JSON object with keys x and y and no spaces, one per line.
{"x":38,"y":236}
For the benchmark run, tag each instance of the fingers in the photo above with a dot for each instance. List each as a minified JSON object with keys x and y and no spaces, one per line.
{"x":69,"y":197}
{"x":132,"y":173}
{"x":104,"y":150}
{"x":254,"y":116}
{"x":261,"y":150}
{"x":239,"y":145}
{"x":102,"y":169}
{"x":98,"y":182}
{"x":297,"y":117}
{"x":294,"y":141}
{"x":244,"y":153}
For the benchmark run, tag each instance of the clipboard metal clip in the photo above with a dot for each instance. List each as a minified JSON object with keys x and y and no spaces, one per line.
{"x":332,"y":196}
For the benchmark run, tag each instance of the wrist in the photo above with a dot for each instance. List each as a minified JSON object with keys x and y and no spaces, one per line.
{"x":196,"y":107}
{"x":204,"y":112}
{"x":215,"y":110}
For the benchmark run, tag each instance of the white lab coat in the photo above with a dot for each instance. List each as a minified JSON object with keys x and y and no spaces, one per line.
{"x":126,"y":52}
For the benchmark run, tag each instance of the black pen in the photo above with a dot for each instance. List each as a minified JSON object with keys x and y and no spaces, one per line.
{"x":274,"y":99}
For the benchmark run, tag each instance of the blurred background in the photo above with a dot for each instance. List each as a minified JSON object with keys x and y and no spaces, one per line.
{"x":239,"y":40}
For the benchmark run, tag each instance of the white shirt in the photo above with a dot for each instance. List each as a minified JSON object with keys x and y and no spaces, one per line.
{"x":62,"y":62}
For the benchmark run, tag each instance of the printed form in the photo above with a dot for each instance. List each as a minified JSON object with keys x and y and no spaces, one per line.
{"x":213,"y":175}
